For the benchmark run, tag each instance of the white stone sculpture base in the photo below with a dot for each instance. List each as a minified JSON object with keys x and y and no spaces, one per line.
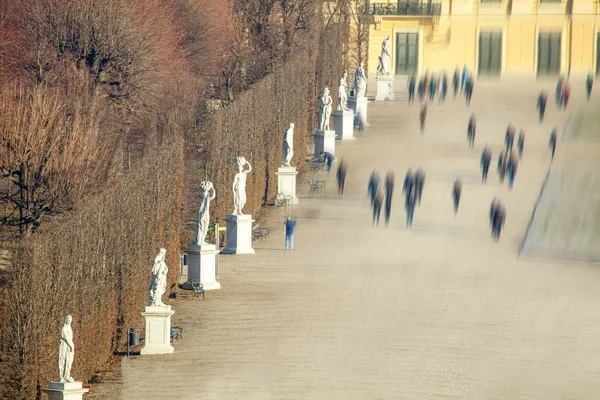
{"x":343,"y":124}
{"x":360,"y":108}
{"x":286,"y":182}
{"x":158,"y":330}
{"x":65,"y":391}
{"x":385,"y":88}
{"x":324,"y":141}
{"x":202,"y":261}
{"x":239,"y":234}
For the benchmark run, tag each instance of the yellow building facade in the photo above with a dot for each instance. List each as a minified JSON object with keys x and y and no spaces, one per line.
{"x":492,"y":38}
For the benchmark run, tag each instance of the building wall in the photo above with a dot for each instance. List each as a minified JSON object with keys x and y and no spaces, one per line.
{"x":452,"y":38}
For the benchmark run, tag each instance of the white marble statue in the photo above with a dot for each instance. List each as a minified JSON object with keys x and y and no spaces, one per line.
{"x":204,"y":212}
{"x":158,"y":285}
{"x":325,"y":111}
{"x":239,"y":185}
{"x":288,"y":146}
{"x":360,"y":82}
{"x":384,"y":60}
{"x":343,"y":93}
{"x":66,"y":351}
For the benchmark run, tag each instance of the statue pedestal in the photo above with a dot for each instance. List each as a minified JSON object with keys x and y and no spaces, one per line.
{"x":158,"y":330}
{"x":202,"y":261}
{"x":359,"y":106}
{"x":65,"y":391}
{"x":239,"y":234}
{"x":343,"y":124}
{"x":286,"y":182}
{"x":385,"y":88}
{"x":324,"y":141}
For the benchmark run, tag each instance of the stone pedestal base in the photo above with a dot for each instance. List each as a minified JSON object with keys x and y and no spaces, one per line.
{"x":158,"y":330}
{"x":324,"y":141}
{"x":385,"y":88}
{"x":286,"y":182}
{"x":202,"y":261}
{"x":65,"y":391}
{"x":360,"y":108}
{"x":343,"y":124}
{"x":239,"y":234}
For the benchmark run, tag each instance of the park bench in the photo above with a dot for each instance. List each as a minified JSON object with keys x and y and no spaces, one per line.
{"x":260,"y":233}
{"x":176,"y":333}
{"x":316,"y":186}
{"x":318,"y":163}
{"x":283,"y":200}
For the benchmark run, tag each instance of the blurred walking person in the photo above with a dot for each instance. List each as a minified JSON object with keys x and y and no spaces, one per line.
{"x":456,"y":191}
{"x":444,"y":88}
{"x":502,"y":165}
{"x":463,"y":81}
{"x":498,"y":221}
{"x":552,"y":144}
{"x":419,"y":182}
{"x":373,"y":186}
{"x":389,"y":191}
{"x":409,"y":203}
{"x":509,"y":138}
{"x":589,"y":82}
{"x":559,"y":92}
{"x":289,"y":226}
{"x":421,"y":88}
{"x":511,"y":169}
{"x":377,"y":203}
{"x":541,"y":104}
{"x":471,"y":130}
{"x":423,"y":117}
{"x":411,"y":89}
{"x":493,"y":209}
{"x":486,"y":159}
{"x":469,"y":89}
{"x":566,"y":92}
{"x":409,"y":182}
{"x":341,"y":177}
{"x":433,"y":86}
{"x":521,"y":143}
{"x":455,"y":81}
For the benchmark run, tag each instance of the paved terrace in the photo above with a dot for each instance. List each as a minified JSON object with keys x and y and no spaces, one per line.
{"x":436,"y":312}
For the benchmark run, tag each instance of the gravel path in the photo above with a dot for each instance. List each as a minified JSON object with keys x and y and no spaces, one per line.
{"x":436,"y":312}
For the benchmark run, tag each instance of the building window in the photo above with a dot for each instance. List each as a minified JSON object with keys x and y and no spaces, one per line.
{"x":407,"y":53}
{"x":490,"y":53}
{"x":549,"y":53}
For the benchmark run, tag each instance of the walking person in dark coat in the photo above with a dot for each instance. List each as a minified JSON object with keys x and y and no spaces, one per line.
{"x":389,"y":191}
{"x":521,"y":143}
{"x":373,"y":186}
{"x":471,"y":130}
{"x":444,"y":88}
{"x":456,"y":191}
{"x":341,"y":177}
{"x":423,"y":117}
{"x":566,"y":92}
{"x":419,"y":182}
{"x":377,"y":203}
{"x":502,"y":166}
{"x":289,"y":227}
{"x":433,"y":84}
{"x":498,"y":221}
{"x":469,"y":89}
{"x":410,"y":202}
{"x":463,"y":81}
{"x":486,"y":159}
{"x":493,"y":209}
{"x":409,"y":182}
{"x":541,"y":104}
{"x":411,"y":89}
{"x":509,"y":138}
{"x":455,"y":81}
{"x":421,"y":88}
{"x":589,"y":82}
{"x":511,"y":168}
{"x":559,"y":92}
{"x":552,"y":144}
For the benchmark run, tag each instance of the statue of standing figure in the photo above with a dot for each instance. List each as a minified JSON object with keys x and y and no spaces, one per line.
{"x":343,"y":93}
{"x":239,"y":185}
{"x":288,"y":146}
{"x":204,"y":213}
{"x":360,"y":82}
{"x":325,"y":111}
{"x":158,"y":285}
{"x":66,"y":351}
{"x":384,"y":60}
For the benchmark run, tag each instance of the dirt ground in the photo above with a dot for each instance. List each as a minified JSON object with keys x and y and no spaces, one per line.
{"x":362,"y":312}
